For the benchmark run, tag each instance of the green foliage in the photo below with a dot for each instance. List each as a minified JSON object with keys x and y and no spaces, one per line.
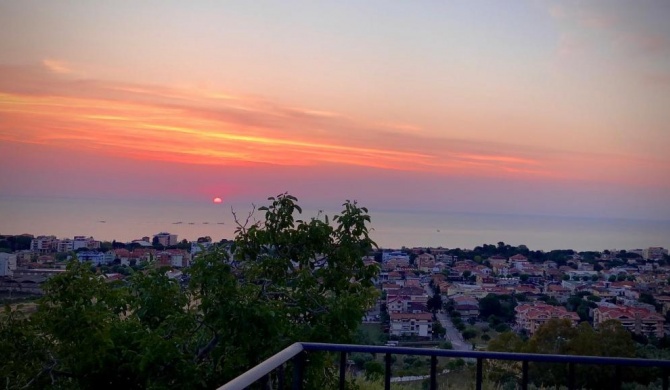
{"x":469,"y":334}
{"x":500,"y":306}
{"x":559,"y":337}
{"x":286,"y":281}
{"x":438,"y":330}
{"x":373,"y":370}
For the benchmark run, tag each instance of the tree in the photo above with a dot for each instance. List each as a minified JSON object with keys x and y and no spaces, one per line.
{"x":434,"y":303}
{"x":438,"y":330}
{"x":287,"y":280}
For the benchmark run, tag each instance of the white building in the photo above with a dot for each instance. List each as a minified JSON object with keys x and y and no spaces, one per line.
{"x":7,"y":264}
{"x":84,"y":242}
{"x":44,"y":244}
{"x":97,"y":258}
{"x":411,"y":324}
{"x":65,"y":245}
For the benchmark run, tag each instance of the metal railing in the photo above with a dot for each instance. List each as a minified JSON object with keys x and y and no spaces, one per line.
{"x":297,"y":353}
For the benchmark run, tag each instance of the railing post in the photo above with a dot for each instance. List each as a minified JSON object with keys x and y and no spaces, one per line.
{"x":664,"y":373}
{"x":433,"y":372}
{"x":524,"y":375}
{"x":387,"y":372}
{"x":343,"y":369}
{"x":265,"y":382}
{"x":571,"y":376}
{"x":478,"y":383}
{"x":298,"y":370}
{"x":280,"y":377}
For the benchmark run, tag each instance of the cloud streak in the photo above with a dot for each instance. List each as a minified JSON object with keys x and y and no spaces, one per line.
{"x":191,"y":126}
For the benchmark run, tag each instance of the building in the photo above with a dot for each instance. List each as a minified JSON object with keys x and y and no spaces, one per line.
{"x":80,"y":242}
{"x":638,"y":320}
{"x":199,"y":246}
{"x":97,"y":258}
{"x":467,"y":306}
{"x":166,"y":239}
{"x":44,"y":244}
{"x":65,"y":245}
{"x":7,"y":264}
{"x":411,"y":324}
{"x":654,"y":253}
{"x":388,"y":255}
{"x":173,"y":258}
{"x":531,"y":316}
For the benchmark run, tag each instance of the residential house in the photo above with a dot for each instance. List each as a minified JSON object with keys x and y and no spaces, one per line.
{"x":531,"y":316}
{"x":467,"y":306}
{"x":411,"y":324}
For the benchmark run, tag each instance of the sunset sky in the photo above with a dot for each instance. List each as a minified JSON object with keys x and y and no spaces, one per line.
{"x":510,"y":107}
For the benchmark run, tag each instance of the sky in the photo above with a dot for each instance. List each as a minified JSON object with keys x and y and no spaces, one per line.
{"x":518,"y":107}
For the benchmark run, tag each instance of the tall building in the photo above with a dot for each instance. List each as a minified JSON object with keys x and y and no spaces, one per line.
{"x":166,"y":239}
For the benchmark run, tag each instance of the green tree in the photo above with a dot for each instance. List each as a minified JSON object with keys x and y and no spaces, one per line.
{"x":287,"y":280}
{"x":438,"y":330}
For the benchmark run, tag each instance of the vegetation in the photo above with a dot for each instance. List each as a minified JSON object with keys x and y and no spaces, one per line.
{"x":281,"y":281}
{"x":559,"y":337}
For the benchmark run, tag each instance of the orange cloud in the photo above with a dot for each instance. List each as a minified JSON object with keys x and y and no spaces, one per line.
{"x":203,"y":127}
{"x":56,"y":66}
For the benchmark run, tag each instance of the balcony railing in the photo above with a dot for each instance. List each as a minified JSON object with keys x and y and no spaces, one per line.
{"x":298,"y":352}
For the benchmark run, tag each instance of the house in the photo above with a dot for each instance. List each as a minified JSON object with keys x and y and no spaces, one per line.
{"x":415,"y":294}
{"x":390,"y":288}
{"x":425,"y":262}
{"x":520,"y":262}
{"x":411,"y":324}
{"x":466,"y":289}
{"x":173,"y":258}
{"x":397,"y":304}
{"x":638,"y":320}
{"x":467,"y":306}
{"x":531,"y":316}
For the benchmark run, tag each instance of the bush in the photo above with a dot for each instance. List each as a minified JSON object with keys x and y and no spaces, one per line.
{"x":469,"y":334}
{"x":502,"y":328}
{"x":373,"y":370}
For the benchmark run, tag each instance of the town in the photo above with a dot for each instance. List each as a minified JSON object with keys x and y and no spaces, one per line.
{"x":461,"y":296}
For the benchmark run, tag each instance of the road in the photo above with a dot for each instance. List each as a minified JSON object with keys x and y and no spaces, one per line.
{"x":452,"y":334}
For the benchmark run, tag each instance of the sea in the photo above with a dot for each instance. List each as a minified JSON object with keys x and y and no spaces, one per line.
{"x":126,"y":220}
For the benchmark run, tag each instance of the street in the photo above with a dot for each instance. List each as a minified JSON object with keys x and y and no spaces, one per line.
{"x":453,"y":335}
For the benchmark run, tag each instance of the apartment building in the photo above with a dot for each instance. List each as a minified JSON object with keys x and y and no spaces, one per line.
{"x":411,"y":324}
{"x":638,"y":320}
{"x":531,"y":316}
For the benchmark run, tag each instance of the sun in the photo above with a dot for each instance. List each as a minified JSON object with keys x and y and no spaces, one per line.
{"x":217,"y":200}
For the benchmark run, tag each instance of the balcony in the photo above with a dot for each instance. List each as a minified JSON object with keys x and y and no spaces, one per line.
{"x":270,"y":374}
